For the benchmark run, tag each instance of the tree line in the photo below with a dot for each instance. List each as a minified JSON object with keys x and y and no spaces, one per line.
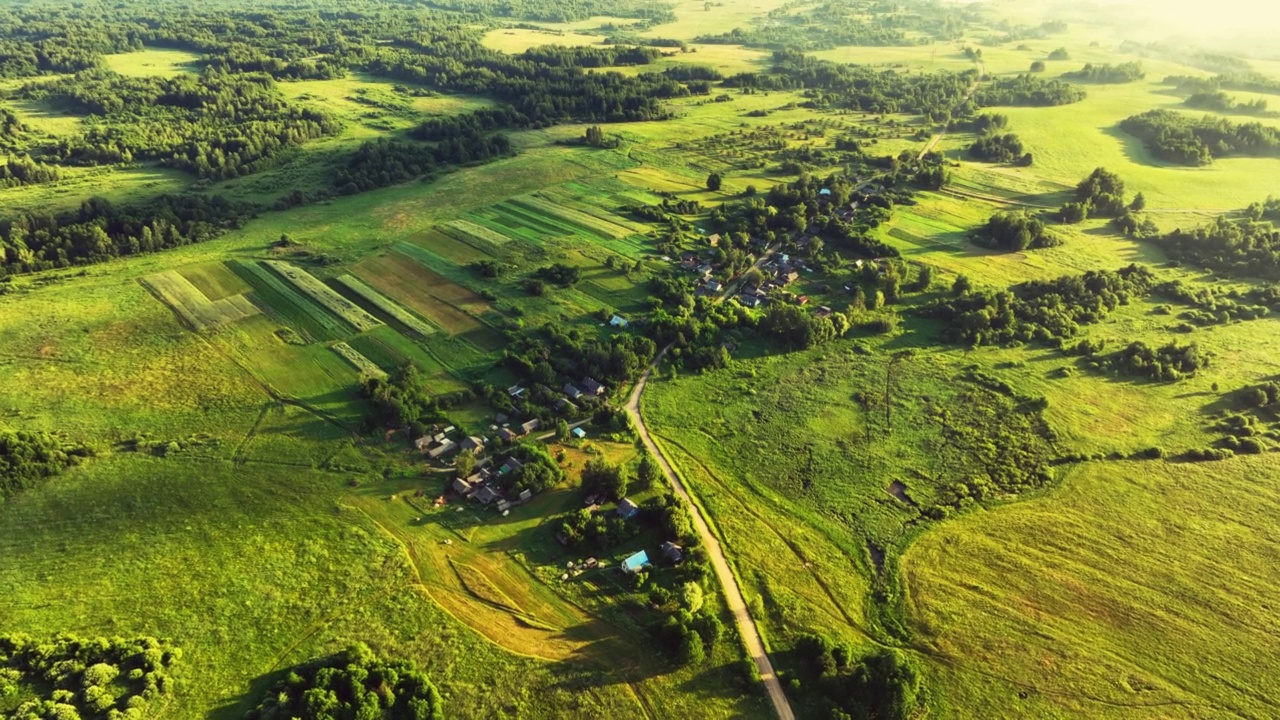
{"x":1106,"y":73}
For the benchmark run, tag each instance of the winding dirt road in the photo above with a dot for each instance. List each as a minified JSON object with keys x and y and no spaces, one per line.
{"x":732,"y":592}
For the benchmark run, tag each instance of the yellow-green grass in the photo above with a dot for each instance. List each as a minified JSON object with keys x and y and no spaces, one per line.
{"x":392,"y":350}
{"x":193,"y":307}
{"x":387,"y":306}
{"x":367,"y":367}
{"x":475,"y":235}
{"x":425,"y":292}
{"x":249,"y":570}
{"x":453,"y":249}
{"x":310,"y":374}
{"x":341,"y":97}
{"x":356,"y":316}
{"x":99,"y":358}
{"x":215,"y":280}
{"x":1135,"y":590}
{"x":283,"y":301}
{"x":162,"y":62}
{"x":694,"y":18}
{"x":46,"y":119}
{"x":517,"y":40}
{"x":570,"y":217}
{"x":75,"y":185}
{"x":728,"y":59}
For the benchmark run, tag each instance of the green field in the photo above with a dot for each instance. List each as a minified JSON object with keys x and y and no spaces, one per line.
{"x":244,"y":501}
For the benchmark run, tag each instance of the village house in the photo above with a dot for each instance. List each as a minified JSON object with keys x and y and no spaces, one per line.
{"x":572,"y":392}
{"x":593,"y":387}
{"x":487,"y":494}
{"x":563,"y":405}
{"x":714,"y":240}
{"x":462,"y":487}
{"x":510,"y":466}
{"x":474,"y":444}
{"x":445,"y":448}
{"x":627,"y":509}
{"x":505,"y":435}
{"x":636,"y":563}
{"x":823,"y":312}
{"x":530,"y":426}
{"x":619,"y":322}
{"x":713,"y":286}
{"x":424,"y":443}
{"x":672,"y":551}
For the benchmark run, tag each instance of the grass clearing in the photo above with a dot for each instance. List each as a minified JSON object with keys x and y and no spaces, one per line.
{"x":196,"y":310}
{"x":516,"y":40}
{"x":215,"y":280}
{"x":154,"y":62}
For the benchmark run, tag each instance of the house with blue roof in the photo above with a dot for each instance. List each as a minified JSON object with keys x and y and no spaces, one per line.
{"x":636,"y":563}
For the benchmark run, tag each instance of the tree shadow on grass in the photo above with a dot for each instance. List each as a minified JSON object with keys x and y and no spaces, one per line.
{"x":258,"y":688}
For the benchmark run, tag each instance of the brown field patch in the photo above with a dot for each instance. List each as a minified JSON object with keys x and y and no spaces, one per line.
{"x":437,"y":298}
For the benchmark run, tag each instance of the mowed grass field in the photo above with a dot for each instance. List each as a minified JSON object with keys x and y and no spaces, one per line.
{"x":1137,"y":590}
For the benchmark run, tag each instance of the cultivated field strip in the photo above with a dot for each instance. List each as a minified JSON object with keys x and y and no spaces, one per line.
{"x":325,"y":295}
{"x":196,"y":310}
{"x":361,"y":363}
{"x":477,"y":236}
{"x":280,"y":300}
{"x":571,"y":217}
{"x":388,"y":306}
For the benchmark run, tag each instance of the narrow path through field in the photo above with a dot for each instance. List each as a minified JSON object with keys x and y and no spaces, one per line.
{"x":732,"y":592}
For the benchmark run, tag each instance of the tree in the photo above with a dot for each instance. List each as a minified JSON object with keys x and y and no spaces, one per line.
{"x":925,"y":280}
{"x":714,"y":182}
{"x":646,"y":471}
{"x":1037,"y":66}
{"x":962,"y":285}
{"x":465,"y":463}
{"x":563,"y":433}
{"x":1139,"y":203}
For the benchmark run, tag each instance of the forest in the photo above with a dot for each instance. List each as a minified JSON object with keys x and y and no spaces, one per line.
{"x":1104,"y":74}
{"x":84,"y":678}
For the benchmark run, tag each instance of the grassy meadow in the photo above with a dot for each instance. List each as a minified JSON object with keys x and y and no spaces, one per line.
{"x":235,"y":508}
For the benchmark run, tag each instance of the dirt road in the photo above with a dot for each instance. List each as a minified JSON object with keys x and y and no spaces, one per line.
{"x":732,"y":593}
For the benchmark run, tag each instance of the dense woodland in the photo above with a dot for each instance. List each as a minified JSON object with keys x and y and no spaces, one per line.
{"x":828,"y":24}
{"x":69,"y":678}
{"x":1177,"y":138}
{"x":1219,"y":101}
{"x":352,"y":684}
{"x":1241,"y":247}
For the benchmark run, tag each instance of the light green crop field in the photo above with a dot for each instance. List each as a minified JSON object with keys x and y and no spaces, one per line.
{"x":517,"y":40}
{"x":162,"y":62}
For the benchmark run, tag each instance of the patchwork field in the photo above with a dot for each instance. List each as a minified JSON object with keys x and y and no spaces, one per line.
{"x":195,"y":308}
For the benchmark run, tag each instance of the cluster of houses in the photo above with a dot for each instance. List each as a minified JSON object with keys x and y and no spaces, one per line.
{"x":441,"y":444}
{"x":486,"y":484}
{"x":639,"y":561}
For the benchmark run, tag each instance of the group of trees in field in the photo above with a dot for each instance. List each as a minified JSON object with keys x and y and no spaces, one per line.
{"x":554,"y":355}
{"x":26,"y":458}
{"x":379,"y":163}
{"x":1000,"y":148}
{"x":886,"y":684}
{"x":100,"y":230}
{"x":15,"y":172}
{"x":1177,"y":138}
{"x":352,"y":684}
{"x":1027,"y":91}
{"x":69,"y":678}
{"x":1122,"y":73}
{"x":1167,"y":363}
{"x":1014,"y":232}
{"x":1039,"y":311}
{"x":216,"y":125}
{"x":1101,"y":194}
{"x":1242,"y":247}
{"x":1242,"y":80}
{"x":1218,"y":101}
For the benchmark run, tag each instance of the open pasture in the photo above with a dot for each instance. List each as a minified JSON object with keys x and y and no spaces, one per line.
{"x":324,"y":295}
{"x":516,"y":40}
{"x":215,"y":280}
{"x":193,"y":306}
{"x":387,"y":306}
{"x":1111,"y":596}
